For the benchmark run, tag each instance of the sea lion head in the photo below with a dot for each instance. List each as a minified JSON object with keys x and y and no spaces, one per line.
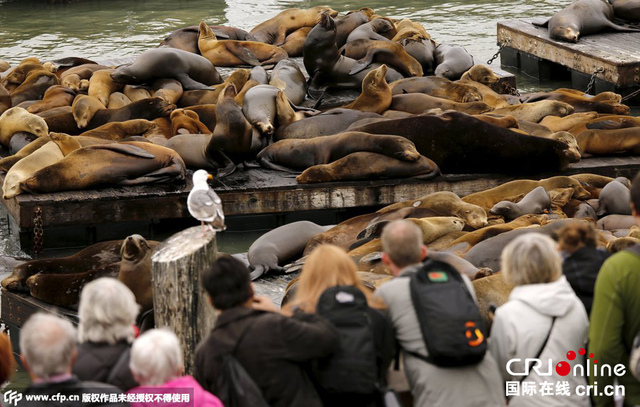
{"x":382,"y":25}
{"x":206,"y":31}
{"x":482,"y":74}
{"x":473,"y":215}
{"x":472,"y":95}
{"x":83,"y":108}
{"x":561,"y":109}
{"x":161,"y":106}
{"x":326,"y":21}
{"x":572,"y":145}
{"x":65,"y":142}
{"x":124,"y":75}
{"x":72,"y":82}
{"x":505,"y":209}
{"x":134,"y":249}
{"x":565,"y":32}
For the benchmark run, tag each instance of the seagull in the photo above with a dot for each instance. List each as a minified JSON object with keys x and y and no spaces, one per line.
{"x":204,"y":204}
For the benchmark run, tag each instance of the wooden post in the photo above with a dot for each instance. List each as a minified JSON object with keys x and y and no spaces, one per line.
{"x":179,"y":300}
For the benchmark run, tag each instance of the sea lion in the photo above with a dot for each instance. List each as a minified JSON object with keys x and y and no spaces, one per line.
{"x":555,"y":123}
{"x":369,"y":51}
{"x":5,"y":99}
{"x":491,"y":291}
{"x":612,"y":222}
{"x":300,"y":154}
{"x":330,"y":122}
{"x":535,"y":202}
{"x":126,"y":163}
{"x":118,"y":100}
{"x":259,"y":108}
{"x":120,"y":130}
{"x":187,"y":122}
{"x":84,"y":107}
{"x":509,"y":191}
{"x":460,"y":143}
{"x":76,"y":84}
{"x":606,"y":122}
{"x":276,"y":29}
{"x":452,"y":61}
{"x":7,"y":162}
{"x":34,"y":85}
{"x":582,"y":17}
{"x":585,"y":211}
{"x":536,"y":111}
{"x":481,"y":74}
{"x":136,"y":93}
{"x":288,"y":77}
{"x":200,"y":97}
{"x":348,"y":23}
{"x":621,"y":243}
{"x":192,"y":148}
{"x":60,"y":146}
{"x":417,"y":103}
{"x":4,"y":66}
{"x":604,"y":142}
{"x":78,"y":73}
{"x":18,"y":119}
{"x":508,"y":122}
{"x":294,"y":43}
{"x":101,"y":85}
{"x":233,"y":135}
{"x":421,"y":50}
{"x":233,"y":53}
{"x":20,"y":140}
{"x":103,"y":257}
{"x":135,"y":269}
{"x":206,"y":114}
{"x":169,"y":90}
{"x":489,"y":96}
{"x":627,"y":9}
{"x":148,"y":109}
{"x":258,"y":76}
{"x":192,"y":70}
{"x":280,"y":245}
{"x":186,"y":38}
{"x":55,"y":96}
{"x":437,"y":87}
{"x":582,"y":103}
{"x":376,"y":93}
{"x":326,"y":66}
{"x":594,"y":180}
{"x":364,"y":165}
{"x":380,"y":29}
{"x":285,"y":112}
{"x":614,"y":198}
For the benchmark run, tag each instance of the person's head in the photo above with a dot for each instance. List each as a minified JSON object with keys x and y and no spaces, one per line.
{"x":47,"y":346}
{"x":228,"y":283}
{"x":635,"y":195}
{"x":327,"y":266}
{"x":402,"y":245}
{"x":531,"y":258}
{"x":107,"y":312}
{"x":156,"y":357}
{"x":576,"y":235}
{"x":7,"y":362}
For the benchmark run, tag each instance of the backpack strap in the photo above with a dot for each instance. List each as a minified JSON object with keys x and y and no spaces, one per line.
{"x":121,"y":363}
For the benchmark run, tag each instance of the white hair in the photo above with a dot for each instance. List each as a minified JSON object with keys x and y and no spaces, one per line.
{"x":107,"y":312}
{"x":531,"y":258}
{"x":48,"y":343}
{"x":156,"y":357}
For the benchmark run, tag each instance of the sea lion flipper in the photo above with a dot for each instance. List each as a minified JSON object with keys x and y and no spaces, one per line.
{"x":539,"y":24}
{"x":360,"y":65}
{"x":227,"y":166}
{"x":257,"y":272}
{"x":621,"y":28}
{"x":190,"y":84}
{"x":273,"y":166}
{"x":243,"y":54}
{"x":220,"y":35}
{"x":123,"y":149}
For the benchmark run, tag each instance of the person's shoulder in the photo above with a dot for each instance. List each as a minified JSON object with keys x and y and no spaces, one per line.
{"x":620,"y":262}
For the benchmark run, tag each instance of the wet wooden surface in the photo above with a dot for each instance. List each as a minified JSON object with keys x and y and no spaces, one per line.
{"x":617,"y":53}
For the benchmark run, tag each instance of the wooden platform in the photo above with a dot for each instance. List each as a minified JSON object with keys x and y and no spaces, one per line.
{"x":529,"y":48}
{"x":252,"y":192}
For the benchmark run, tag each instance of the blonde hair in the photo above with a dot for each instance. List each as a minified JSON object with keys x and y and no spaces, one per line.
{"x":531,"y":258}
{"x":327,"y":266}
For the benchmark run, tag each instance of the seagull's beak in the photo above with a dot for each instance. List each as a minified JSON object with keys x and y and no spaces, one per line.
{"x":209,"y":176}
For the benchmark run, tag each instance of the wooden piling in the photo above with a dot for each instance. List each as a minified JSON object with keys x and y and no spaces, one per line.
{"x":179,"y":299}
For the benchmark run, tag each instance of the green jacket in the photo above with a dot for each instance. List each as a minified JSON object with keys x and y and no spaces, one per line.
{"x":615,"y":321}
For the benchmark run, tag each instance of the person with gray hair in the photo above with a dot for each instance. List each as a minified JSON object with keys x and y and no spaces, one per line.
{"x":48,"y":351}
{"x":543,"y":319}
{"x":476,"y":385}
{"x":107,"y":314}
{"x":156,"y":361}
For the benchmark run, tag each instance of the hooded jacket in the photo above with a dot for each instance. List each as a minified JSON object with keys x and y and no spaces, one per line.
{"x":201,"y":397}
{"x":519,"y":330}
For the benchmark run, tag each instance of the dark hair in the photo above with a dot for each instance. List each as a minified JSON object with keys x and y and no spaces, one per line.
{"x":227,"y":282}
{"x":575,"y":234}
{"x":635,"y":192}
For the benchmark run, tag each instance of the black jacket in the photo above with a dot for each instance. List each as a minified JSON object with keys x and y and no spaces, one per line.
{"x":97,"y":362}
{"x":71,"y":387}
{"x":581,"y":270}
{"x":273,"y":352}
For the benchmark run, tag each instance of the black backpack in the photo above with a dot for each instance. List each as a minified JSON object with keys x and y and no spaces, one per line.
{"x":353,"y":368}
{"x":234,"y":386}
{"x":451,"y":324}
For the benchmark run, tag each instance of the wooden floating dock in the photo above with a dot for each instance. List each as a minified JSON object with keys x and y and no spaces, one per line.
{"x":250,"y":192}
{"x":617,"y":55}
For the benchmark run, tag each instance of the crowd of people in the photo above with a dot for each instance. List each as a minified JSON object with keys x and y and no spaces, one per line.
{"x":337,"y":343}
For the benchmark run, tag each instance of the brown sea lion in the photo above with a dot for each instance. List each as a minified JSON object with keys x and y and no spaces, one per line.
{"x":192,"y":70}
{"x":348,"y":23}
{"x":330,"y":122}
{"x":489,"y":96}
{"x":380,"y":29}
{"x":233,"y":53}
{"x":481,"y":74}
{"x":627,"y":9}
{"x":606,"y":122}
{"x":118,"y":100}
{"x":285,"y":112}
{"x":4,"y":66}
{"x":595,"y":180}
{"x":126,"y":163}
{"x":148,"y":109}
{"x":300,"y":154}
{"x":452,"y":61}
{"x":511,"y":190}
{"x":186,"y":38}
{"x":18,"y":119}
{"x":72,"y":77}
{"x":376,"y":93}
{"x":555,"y":123}
{"x":275,"y":30}
{"x":84,"y":107}
{"x":201,"y":97}
{"x":536,"y":111}
{"x":603,"y":142}
{"x":257,"y":77}
{"x":417,"y":103}
{"x":135,"y":269}
{"x":187,"y":122}
{"x":508,"y":122}
{"x":5,"y":99}
{"x":55,"y":96}
{"x":363,"y":165}
{"x":169,"y":90}
{"x":294,"y":43}
{"x":368,"y":51}
{"x":7,"y":162}
{"x":136,"y":93}
{"x":206,"y":114}
{"x":101,"y":85}
{"x":582,"y":103}
{"x":288,"y":77}
{"x":491,"y":291}
{"x":36,"y":81}
{"x":123,"y":129}
{"x":194,"y":151}
{"x":437,"y":87}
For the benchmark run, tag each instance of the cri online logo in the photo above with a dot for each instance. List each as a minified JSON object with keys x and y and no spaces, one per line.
{"x":563,"y":368}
